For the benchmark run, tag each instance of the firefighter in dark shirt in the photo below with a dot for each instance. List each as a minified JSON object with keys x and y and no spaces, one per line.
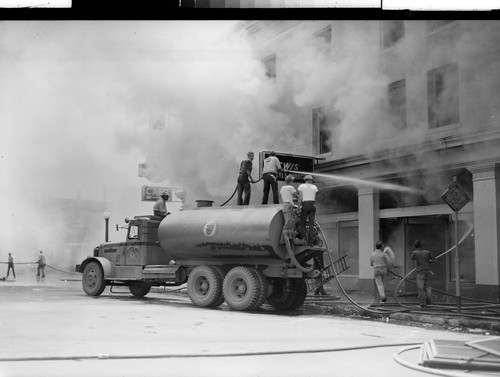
{"x":244,"y":179}
{"x":423,"y":259}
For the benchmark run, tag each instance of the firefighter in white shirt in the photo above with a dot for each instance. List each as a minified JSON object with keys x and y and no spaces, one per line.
{"x":307,"y":196}
{"x":272,"y":166}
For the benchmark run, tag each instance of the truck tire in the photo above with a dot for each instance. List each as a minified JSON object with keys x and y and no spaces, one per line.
{"x":264,"y":292}
{"x":205,"y":286}
{"x":93,"y":279}
{"x":281,"y":299}
{"x":139,"y":289}
{"x":242,"y":288}
{"x":222,"y":274}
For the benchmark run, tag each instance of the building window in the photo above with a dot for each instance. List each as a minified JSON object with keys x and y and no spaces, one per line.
{"x":270,"y":66}
{"x":322,"y":132}
{"x":397,"y":103}
{"x":392,"y":32}
{"x":437,"y":24}
{"x":442,"y":96}
{"x":323,"y":40}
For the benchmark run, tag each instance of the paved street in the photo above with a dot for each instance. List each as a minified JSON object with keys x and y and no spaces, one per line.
{"x":51,"y":328}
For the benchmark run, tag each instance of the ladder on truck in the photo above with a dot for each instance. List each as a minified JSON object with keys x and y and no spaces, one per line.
{"x":327,"y":274}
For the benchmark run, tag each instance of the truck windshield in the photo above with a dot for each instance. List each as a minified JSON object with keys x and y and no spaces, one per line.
{"x":133,"y":232}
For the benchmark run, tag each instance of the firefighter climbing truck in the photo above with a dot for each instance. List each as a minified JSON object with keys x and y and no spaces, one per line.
{"x":232,"y":254}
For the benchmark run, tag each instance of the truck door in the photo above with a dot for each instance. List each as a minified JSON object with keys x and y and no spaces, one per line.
{"x":132,"y":250}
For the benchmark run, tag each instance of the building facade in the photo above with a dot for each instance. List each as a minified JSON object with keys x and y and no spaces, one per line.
{"x":395,"y":112}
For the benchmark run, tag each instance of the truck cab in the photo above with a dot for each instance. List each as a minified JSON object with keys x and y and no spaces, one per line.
{"x":139,"y":262}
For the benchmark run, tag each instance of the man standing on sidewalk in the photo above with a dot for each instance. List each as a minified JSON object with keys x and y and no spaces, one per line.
{"x":423,"y":259}
{"x":10,"y":262}
{"x":380,"y":261}
{"x":41,"y":265}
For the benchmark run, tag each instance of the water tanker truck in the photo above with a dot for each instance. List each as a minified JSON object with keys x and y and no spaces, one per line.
{"x":233,"y":254}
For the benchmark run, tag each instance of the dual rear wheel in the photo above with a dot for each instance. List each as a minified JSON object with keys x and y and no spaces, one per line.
{"x":243,"y":288}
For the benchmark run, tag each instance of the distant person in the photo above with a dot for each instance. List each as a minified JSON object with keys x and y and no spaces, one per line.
{"x":423,"y":259}
{"x":41,"y":265}
{"x":307,"y":197}
{"x":160,"y":207}
{"x":380,"y":261}
{"x":10,"y":263}
{"x":272,"y":166}
{"x":288,"y":193}
{"x":244,"y":179}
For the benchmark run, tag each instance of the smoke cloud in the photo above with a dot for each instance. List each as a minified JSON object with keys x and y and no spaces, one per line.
{"x":76,"y":104}
{"x":82,"y":104}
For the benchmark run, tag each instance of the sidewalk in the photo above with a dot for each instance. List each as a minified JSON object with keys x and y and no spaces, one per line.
{"x":472,"y":319}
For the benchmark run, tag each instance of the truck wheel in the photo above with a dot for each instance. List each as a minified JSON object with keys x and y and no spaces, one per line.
{"x":139,"y":289}
{"x":242,"y":288}
{"x":205,"y":286}
{"x":222,"y":274}
{"x":264,"y":292}
{"x":93,"y":279}
{"x":281,"y":299}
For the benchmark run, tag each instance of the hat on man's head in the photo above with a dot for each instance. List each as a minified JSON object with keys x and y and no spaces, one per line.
{"x":165,"y":193}
{"x":378,"y":245}
{"x":308,"y":177}
{"x":289,"y":178}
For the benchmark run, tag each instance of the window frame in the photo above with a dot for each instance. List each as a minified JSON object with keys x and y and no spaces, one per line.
{"x":437,"y":117}
{"x":384,"y":31}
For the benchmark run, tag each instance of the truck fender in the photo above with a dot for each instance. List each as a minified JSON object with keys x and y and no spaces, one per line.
{"x":105,"y":264}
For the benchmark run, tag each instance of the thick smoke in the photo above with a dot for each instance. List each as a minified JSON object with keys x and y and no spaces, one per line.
{"x":82,"y":104}
{"x":76,"y":103}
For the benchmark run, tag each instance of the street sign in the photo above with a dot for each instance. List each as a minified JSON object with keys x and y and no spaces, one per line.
{"x":455,"y":197}
{"x":152,"y":193}
{"x":289,"y":162}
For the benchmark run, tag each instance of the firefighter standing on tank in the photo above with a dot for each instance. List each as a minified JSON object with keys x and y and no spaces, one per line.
{"x":272,"y":166}
{"x":244,"y":179}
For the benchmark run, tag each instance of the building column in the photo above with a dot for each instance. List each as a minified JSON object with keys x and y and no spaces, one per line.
{"x":486,"y":186}
{"x":368,"y":220}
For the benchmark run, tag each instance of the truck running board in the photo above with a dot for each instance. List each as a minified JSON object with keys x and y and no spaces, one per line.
{"x":327,"y":274}
{"x":161,"y":269}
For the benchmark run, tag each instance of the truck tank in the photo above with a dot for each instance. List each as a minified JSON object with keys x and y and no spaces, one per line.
{"x":210,"y":233}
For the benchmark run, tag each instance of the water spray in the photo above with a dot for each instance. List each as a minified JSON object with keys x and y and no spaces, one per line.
{"x":357,"y":181}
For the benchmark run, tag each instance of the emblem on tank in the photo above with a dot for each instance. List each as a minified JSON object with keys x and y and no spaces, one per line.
{"x":210,"y":229}
{"x":132,"y":253}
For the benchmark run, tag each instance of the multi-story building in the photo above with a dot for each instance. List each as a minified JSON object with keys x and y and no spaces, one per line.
{"x":395,"y":111}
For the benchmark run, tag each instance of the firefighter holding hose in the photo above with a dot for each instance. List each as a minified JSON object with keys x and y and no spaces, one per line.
{"x":272,"y":166}
{"x":244,"y":179}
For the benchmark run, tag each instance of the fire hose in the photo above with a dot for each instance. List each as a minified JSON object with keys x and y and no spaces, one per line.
{"x":47,"y":265}
{"x":236,"y":189}
{"x":406,"y":308}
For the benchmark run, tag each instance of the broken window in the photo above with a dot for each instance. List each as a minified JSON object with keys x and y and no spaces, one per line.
{"x":392,"y":32}
{"x":397,"y":103}
{"x":270,"y":66}
{"x":322,"y":131}
{"x":442,"y":90}
{"x":323,"y":40}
